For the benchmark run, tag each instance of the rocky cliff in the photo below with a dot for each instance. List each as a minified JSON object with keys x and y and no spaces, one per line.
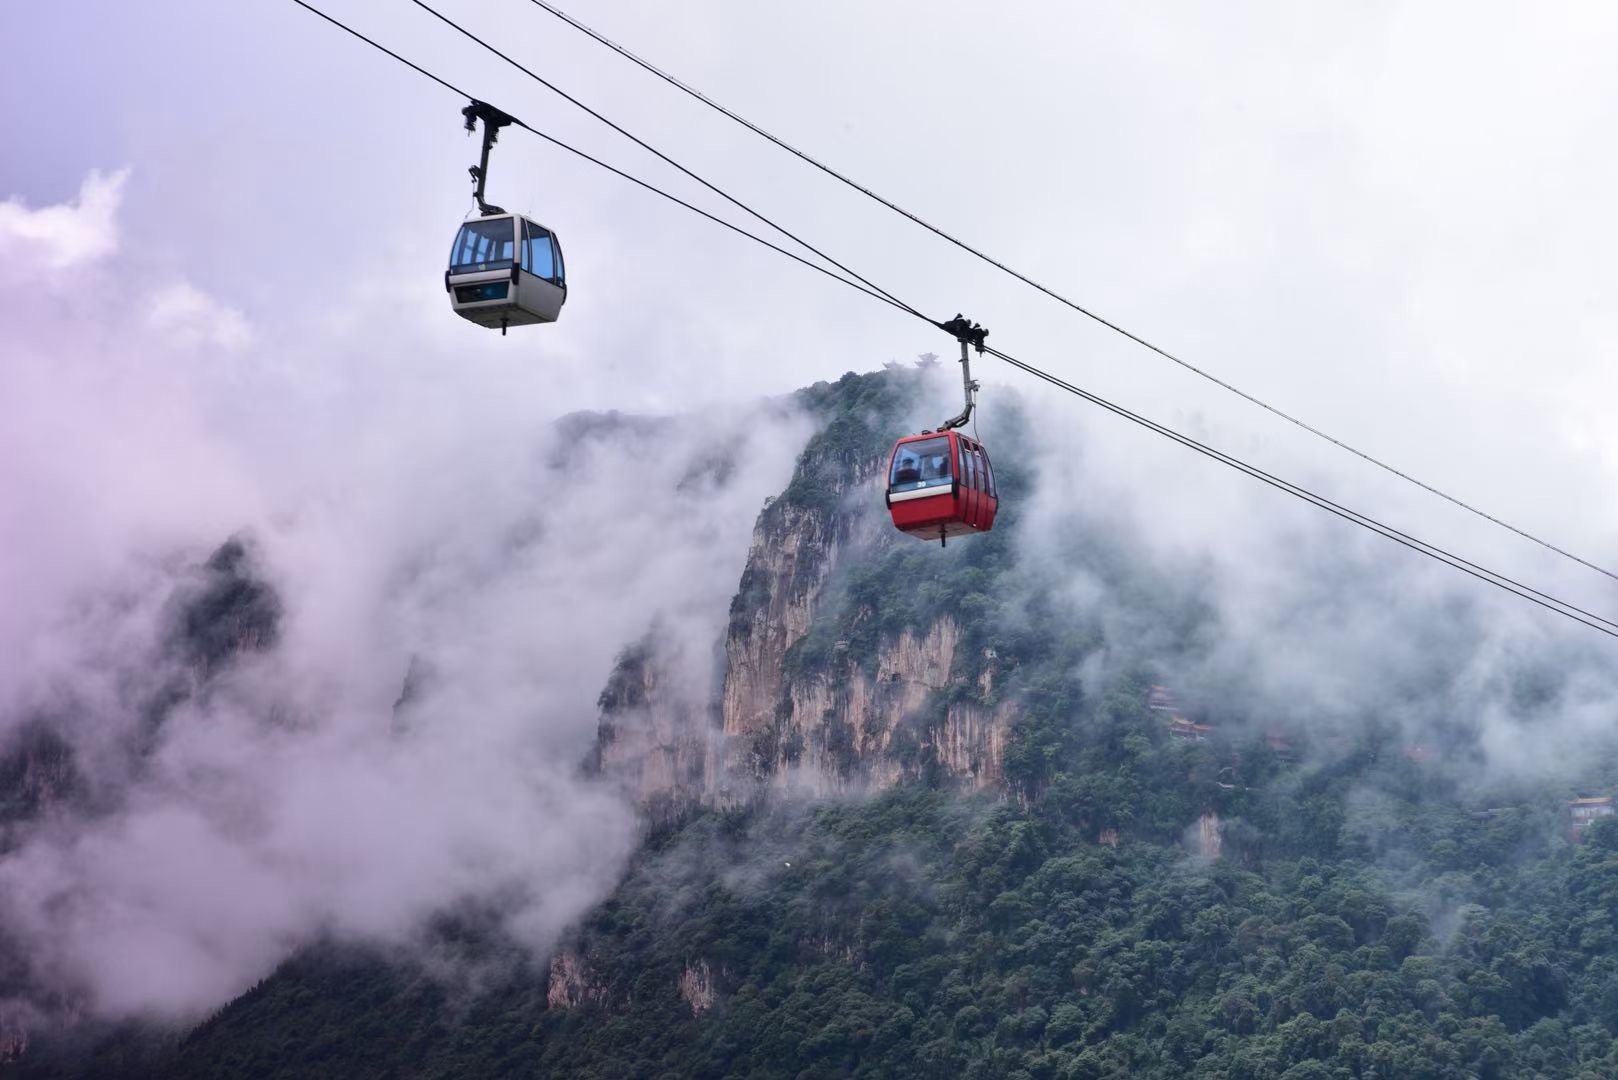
{"x":653,"y":736}
{"x":832,"y":675}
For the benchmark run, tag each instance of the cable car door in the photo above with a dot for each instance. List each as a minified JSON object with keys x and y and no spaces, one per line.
{"x":969,"y":484}
{"x":963,"y":477}
{"x":991,"y":494}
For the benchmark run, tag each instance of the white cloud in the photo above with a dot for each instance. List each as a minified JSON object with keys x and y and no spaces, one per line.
{"x":404,"y":510}
{"x":66,"y":234}
{"x":191,"y":318}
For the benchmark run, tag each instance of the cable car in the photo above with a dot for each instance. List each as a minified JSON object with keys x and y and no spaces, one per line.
{"x":940,"y":484}
{"x":505,"y":270}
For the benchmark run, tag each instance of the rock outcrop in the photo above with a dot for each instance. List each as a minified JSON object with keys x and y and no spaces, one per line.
{"x":653,"y":737}
{"x":571,"y":982}
{"x":873,"y":723}
{"x":697,"y":987}
{"x":1210,"y":836}
{"x":908,"y":702}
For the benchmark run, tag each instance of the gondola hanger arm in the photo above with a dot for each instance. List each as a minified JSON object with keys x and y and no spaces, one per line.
{"x":970,"y":335}
{"x":493,"y":120}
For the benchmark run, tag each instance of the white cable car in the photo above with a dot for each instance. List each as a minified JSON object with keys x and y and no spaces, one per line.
{"x":505,"y":270}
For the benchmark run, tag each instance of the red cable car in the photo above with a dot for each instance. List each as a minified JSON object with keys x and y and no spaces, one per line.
{"x":940,"y":484}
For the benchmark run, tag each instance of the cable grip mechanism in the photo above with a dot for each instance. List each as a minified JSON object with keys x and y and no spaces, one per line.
{"x":493,"y":120}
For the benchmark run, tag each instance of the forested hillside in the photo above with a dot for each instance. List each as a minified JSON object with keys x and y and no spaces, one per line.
{"x":941,"y":821}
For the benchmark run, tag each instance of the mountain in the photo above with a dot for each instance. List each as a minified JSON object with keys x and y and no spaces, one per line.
{"x":938,"y":813}
{"x":838,"y":672}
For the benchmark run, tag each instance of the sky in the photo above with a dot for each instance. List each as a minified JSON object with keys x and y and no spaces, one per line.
{"x":1385,"y":220}
{"x":222,"y":235}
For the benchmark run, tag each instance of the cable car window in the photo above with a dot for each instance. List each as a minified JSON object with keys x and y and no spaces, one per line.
{"x":523,"y":248}
{"x":483,"y":245}
{"x":561,"y":272}
{"x":988,"y":472}
{"x":921,"y":464}
{"x":540,"y":254}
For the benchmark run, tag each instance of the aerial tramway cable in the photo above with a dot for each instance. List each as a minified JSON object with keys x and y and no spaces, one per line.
{"x":1545,"y":600}
{"x":575,"y":151}
{"x":1201,"y":372}
{"x":553,"y":88}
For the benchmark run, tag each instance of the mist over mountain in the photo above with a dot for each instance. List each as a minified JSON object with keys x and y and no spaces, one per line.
{"x":1066,"y":799}
{"x":221,"y":755}
{"x":381,"y":696}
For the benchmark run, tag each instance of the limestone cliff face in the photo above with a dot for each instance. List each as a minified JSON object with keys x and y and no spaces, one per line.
{"x":571,"y":983}
{"x":653,"y":739}
{"x":1209,"y":841}
{"x":793,"y":550}
{"x":905,"y":702}
{"x":871,"y":713}
{"x":859,"y":725}
{"x":697,"y":987}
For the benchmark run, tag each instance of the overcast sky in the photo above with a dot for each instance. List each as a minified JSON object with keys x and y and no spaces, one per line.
{"x":223,"y":229}
{"x":1393,"y":220}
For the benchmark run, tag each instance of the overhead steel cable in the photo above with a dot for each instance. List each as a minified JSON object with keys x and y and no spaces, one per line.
{"x":1501,"y":581}
{"x":373,"y":43}
{"x":693,"y":92}
{"x":553,"y":88}
{"x":612,"y":169}
{"x":1527,"y":592}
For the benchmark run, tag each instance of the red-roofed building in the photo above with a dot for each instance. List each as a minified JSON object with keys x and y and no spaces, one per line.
{"x":1181,"y":728}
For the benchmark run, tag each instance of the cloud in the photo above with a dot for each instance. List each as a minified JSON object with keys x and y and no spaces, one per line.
{"x":1264,"y":608}
{"x":406,"y":515}
{"x":191,"y":318}
{"x":68,"y":234}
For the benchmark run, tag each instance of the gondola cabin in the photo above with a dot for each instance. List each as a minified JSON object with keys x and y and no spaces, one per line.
{"x":504,"y":270}
{"x":940,"y":484}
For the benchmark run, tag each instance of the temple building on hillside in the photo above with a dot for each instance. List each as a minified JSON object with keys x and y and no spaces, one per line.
{"x":1161,"y":699}
{"x":1181,"y":728}
{"x":1582,"y":812}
